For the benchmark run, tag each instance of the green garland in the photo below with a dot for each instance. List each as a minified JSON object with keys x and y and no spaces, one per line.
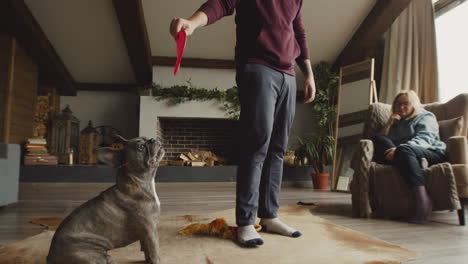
{"x":178,"y":94}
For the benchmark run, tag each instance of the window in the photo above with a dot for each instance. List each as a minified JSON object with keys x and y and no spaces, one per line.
{"x":452,"y":49}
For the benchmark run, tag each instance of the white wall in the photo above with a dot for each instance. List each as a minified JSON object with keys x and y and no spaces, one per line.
{"x":117,"y":109}
{"x":211,"y":78}
{"x":86,"y":35}
{"x":121,"y":110}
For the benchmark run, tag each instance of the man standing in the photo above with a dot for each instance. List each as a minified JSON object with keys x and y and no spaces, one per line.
{"x":270,"y":37}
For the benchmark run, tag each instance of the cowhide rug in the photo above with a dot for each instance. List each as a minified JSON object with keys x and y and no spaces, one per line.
{"x":321,"y":242}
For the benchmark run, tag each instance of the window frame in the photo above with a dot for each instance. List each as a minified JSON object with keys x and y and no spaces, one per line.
{"x":443,"y":6}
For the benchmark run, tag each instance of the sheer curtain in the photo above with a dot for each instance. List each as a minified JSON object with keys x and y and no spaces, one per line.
{"x":410,"y":60}
{"x":452,"y":50}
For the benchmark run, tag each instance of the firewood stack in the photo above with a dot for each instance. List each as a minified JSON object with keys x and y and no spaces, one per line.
{"x":197,"y":158}
{"x":289,"y":158}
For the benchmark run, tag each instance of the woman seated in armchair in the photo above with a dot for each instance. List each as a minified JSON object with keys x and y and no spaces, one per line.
{"x":410,"y":141}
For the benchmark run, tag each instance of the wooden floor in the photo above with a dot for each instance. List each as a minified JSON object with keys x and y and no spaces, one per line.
{"x":441,"y":241}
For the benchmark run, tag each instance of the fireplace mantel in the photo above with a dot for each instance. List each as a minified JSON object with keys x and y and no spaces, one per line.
{"x":151,"y":110}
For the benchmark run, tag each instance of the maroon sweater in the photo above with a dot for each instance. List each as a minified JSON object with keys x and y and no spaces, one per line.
{"x":269,"y":32}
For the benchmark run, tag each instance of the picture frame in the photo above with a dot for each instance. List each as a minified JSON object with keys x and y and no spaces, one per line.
{"x":342,"y":184}
{"x":344,"y":171}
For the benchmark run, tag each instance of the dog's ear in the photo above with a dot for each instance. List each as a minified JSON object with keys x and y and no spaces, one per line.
{"x":110,"y":156}
{"x":121,"y":138}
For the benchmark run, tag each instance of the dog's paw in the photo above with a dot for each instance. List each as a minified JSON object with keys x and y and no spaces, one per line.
{"x":149,"y":261}
{"x":109,"y":259}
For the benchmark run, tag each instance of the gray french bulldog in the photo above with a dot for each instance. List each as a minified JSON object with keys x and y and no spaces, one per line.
{"x":126,"y":212}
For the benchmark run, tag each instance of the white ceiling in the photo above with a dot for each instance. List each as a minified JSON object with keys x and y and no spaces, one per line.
{"x":86,"y":33}
{"x":329,"y":25}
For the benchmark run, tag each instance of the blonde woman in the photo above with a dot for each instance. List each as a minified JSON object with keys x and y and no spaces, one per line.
{"x":410,"y":141}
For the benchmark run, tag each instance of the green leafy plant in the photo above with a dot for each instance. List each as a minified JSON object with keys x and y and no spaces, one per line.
{"x":324,"y":104}
{"x":300,"y":153}
{"x":177,"y":94}
{"x":317,"y":149}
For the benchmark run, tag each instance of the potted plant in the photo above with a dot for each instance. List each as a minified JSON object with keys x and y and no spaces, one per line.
{"x":317,"y":149}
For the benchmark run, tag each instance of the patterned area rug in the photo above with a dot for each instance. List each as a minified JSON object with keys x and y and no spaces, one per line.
{"x":321,"y":242}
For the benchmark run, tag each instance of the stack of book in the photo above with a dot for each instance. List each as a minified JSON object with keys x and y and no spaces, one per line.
{"x":36,"y":147}
{"x":36,"y":153}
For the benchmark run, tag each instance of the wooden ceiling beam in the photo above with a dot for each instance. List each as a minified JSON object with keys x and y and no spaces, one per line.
{"x":133,"y":27}
{"x":195,"y":63}
{"x":18,"y":21}
{"x":371,"y":31}
{"x":119,"y":87}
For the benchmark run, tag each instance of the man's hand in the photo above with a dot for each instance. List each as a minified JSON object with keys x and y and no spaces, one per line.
{"x":389,"y":154}
{"x":309,"y":90}
{"x":178,"y":24}
{"x":198,"y":19}
{"x":309,"y":83}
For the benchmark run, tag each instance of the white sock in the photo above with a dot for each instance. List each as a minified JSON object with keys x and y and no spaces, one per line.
{"x":274,"y":225}
{"x":247,"y":235}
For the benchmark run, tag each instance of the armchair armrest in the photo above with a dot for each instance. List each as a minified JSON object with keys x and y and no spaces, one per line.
{"x":361,"y":162}
{"x":363,"y":155}
{"x":458,"y":150}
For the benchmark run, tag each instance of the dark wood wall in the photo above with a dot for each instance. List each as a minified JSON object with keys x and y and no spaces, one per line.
{"x":5,"y":56}
{"x":18,"y":91}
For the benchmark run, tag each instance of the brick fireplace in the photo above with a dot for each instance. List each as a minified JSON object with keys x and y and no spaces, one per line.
{"x":180,"y":135}
{"x":191,"y":125}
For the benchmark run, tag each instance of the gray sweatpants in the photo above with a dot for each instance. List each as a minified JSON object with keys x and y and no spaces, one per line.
{"x":268,"y":101}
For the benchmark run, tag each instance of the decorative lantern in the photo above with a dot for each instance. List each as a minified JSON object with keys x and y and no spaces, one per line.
{"x":65,"y":135}
{"x":89,"y":141}
{"x":41,"y":116}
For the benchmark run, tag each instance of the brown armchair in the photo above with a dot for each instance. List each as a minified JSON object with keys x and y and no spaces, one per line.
{"x":379,"y":189}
